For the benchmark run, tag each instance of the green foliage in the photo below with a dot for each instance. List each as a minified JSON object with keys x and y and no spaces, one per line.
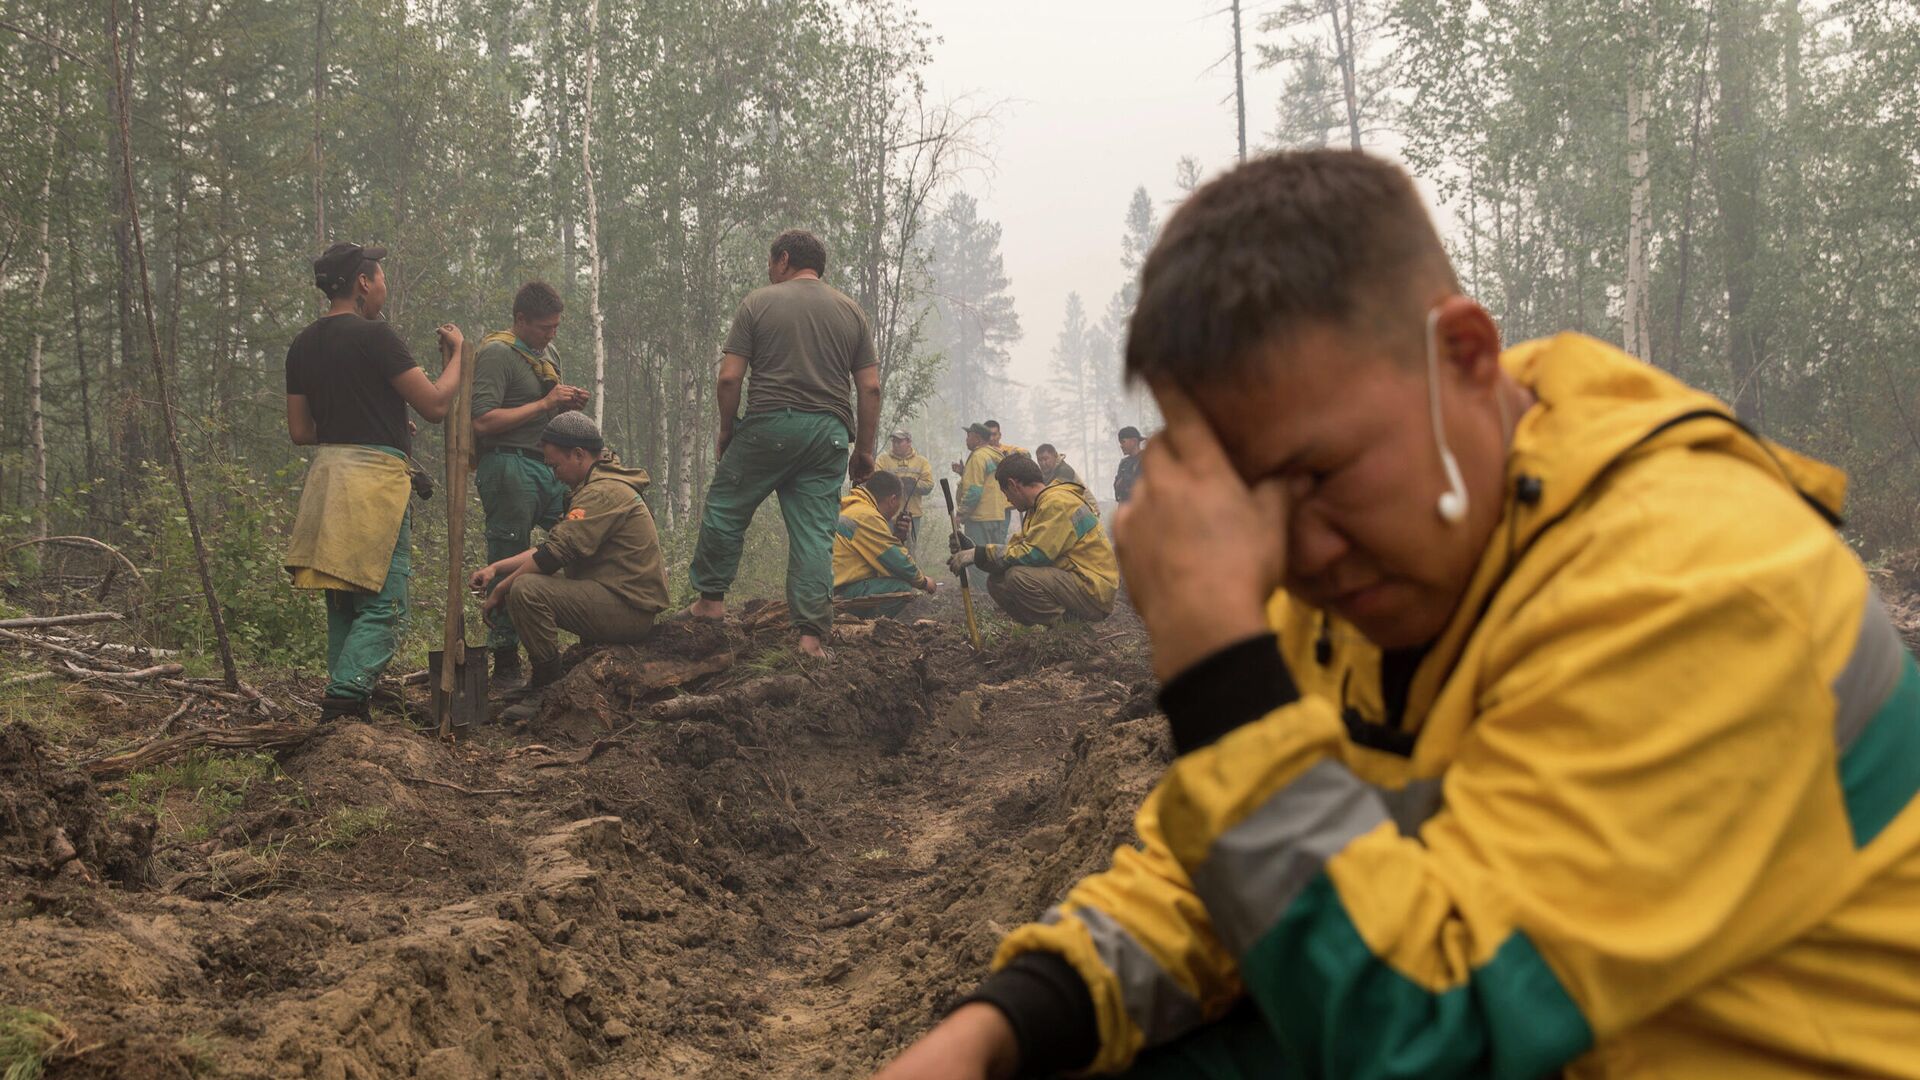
{"x":28,"y":1038}
{"x":214,"y":786}
{"x":347,"y":826}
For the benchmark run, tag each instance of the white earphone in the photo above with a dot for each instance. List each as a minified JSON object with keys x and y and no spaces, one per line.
{"x":1453,"y":502}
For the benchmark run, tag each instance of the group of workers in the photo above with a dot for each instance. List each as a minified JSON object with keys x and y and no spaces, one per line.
{"x":598,"y":571}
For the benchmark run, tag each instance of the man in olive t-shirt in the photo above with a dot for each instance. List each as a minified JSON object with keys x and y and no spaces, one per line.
{"x":800,"y":345}
{"x":516,"y":390}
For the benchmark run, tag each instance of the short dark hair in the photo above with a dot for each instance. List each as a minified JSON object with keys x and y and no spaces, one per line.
{"x":1044,"y":448}
{"x":994,"y":424}
{"x":882,"y":485}
{"x":537,"y":300}
{"x":345,"y":286}
{"x":1331,"y":236}
{"x":803,"y":250}
{"x":1018,"y":469}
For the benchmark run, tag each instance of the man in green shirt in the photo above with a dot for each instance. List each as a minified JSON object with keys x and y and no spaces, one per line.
{"x":516,"y":390}
{"x":807,"y":345}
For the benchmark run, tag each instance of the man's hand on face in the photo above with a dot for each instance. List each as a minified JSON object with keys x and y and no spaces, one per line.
{"x":1201,"y":550}
{"x":975,"y":1043}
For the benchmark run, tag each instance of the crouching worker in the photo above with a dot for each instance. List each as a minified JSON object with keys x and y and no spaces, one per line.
{"x":1530,"y":717}
{"x":1060,"y":564}
{"x":870,"y":567}
{"x":606,"y":547}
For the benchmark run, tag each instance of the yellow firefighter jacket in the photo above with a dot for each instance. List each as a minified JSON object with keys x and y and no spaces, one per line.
{"x":864,"y":545}
{"x":1645,"y":809}
{"x":915,"y":473}
{"x":1062,"y":530}
{"x":980,"y":498}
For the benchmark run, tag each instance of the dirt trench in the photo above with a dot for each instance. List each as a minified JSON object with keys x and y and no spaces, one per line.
{"x":783,"y":870}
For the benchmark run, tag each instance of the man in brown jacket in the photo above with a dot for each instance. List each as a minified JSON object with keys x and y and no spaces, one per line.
{"x":606,"y":547}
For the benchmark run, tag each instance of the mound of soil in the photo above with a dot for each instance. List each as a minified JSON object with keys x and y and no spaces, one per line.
{"x":54,"y":824}
{"x":704,"y":858}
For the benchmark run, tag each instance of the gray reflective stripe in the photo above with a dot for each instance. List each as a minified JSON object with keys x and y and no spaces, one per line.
{"x":1254,"y":870}
{"x":1871,"y":674}
{"x":1412,"y":806}
{"x":1156,"y":1002}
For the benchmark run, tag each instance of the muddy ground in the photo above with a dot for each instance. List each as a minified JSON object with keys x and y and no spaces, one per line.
{"x":785,"y":870}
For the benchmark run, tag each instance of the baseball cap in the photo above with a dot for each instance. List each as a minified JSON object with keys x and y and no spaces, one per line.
{"x":900,"y":433}
{"x":980,"y":430}
{"x":1129,"y":432}
{"x":340,"y":261}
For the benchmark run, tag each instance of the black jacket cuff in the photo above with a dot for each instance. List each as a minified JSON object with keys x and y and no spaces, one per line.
{"x":546,"y":560}
{"x":1050,"y":1009}
{"x":1239,"y":684}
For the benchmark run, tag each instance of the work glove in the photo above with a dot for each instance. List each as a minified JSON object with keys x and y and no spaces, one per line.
{"x":958,"y":541}
{"x":961,"y":560}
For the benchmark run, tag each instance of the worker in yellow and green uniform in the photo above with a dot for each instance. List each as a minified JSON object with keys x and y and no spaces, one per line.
{"x":915,"y":473}
{"x":1007,"y":450}
{"x":1060,"y":564}
{"x":868,"y":559}
{"x":982,"y":510}
{"x":1530,"y":716}
{"x":516,"y":390}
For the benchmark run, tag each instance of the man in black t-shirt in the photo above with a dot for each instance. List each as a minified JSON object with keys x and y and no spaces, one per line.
{"x":350,"y":379}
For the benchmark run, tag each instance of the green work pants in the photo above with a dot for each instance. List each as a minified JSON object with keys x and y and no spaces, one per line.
{"x":517,"y":493}
{"x":801,"y":457}
{"x":364,"y":628}
{"x":1238,"y":1046}
{"x":983,"y":533}
{"x":878,"y":586}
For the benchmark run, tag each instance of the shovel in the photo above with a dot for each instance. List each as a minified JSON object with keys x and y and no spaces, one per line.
{"x":966,"y":590}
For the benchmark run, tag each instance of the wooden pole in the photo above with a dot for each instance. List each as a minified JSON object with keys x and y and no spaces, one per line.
{"x":459,"y":451}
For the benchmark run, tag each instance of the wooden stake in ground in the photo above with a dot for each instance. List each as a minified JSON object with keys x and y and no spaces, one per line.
{"x":459,"y":450}
{"x":159,"y":364}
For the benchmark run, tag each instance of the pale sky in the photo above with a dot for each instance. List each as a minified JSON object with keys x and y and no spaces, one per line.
{"x":1095,"y":97}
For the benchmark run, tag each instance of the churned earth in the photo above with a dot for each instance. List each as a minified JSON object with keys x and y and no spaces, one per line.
{"x":705,"y":858}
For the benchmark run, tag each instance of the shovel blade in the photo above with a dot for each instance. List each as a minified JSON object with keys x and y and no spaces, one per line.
{"x":469,"y":699}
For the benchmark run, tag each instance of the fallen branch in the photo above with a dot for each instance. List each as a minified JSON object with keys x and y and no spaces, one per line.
{"x":773,"y":688}
{"x":38,"y":676}
{"x":59,"y":650}
{"x":251,"y":737}
{"x":458,"y":788}
{"x":846,"y":919}
{"x":62,"y":620}
{"x":88,"y":674}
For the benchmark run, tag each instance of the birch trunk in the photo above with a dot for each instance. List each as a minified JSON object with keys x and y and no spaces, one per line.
{"x":593,"y":224}
{"x":36,"y":421}
{"x":1638,"y":338}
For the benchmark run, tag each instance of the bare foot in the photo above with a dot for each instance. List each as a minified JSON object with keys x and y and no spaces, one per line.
{"x":810,"y":645}
{"x":708,"y":609}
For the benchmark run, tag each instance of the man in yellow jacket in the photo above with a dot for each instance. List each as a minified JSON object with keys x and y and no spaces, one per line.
{"x":982,"y":510}
{"x":868,"y":559}
{"x":1530,"y":717}
{"x":915,"y":473}
{"x":1060,"y":565}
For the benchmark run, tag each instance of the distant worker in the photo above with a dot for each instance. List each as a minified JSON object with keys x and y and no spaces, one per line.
{"x":350,"y":379}
{"x":915,"y":473}
{"x":981,"y":512}
{"x":806,"y":344}
{"x":993,"y":439}
{"x":1128,"y":471}
{"x":606,"y":546}
{"x":868,"y":559}
{"x":1053,"y":464}
{"x":1060,"y":565}
{"x":516,"y":390}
